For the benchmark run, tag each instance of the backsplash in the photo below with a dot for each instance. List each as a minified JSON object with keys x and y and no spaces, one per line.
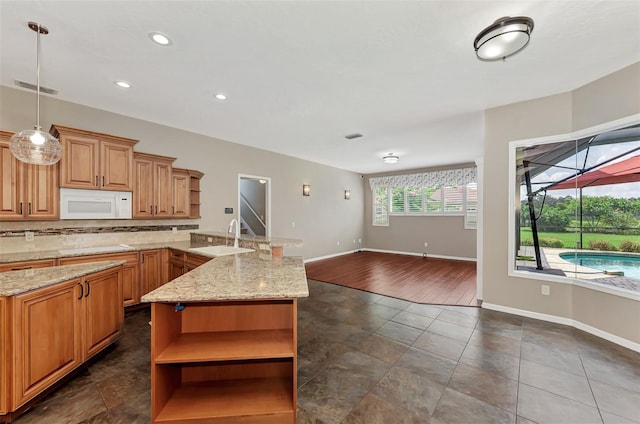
{"x":75,"y":234}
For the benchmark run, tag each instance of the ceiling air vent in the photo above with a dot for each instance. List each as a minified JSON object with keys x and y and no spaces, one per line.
{"x":33,"y":87}
{"x":352,"y":136}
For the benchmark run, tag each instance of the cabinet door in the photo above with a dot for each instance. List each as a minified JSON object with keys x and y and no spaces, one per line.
{"x":143,"y":189}
{"x":176,"y":268}
{"x":48,"y":339}
{"x":4,"y":352}
{"x":162,"y":189}
{"x":42,"y":192}
{"x":79,"y":167}
{"x":130,"y":285}
{"x":130,"y":272}
{"x":194,"y":261}
{"x":150,"y":271}
{"x":11,"y":190}
{"x":116,"y":166}
{"x":104,"y":313}
{"x":181,"y":195}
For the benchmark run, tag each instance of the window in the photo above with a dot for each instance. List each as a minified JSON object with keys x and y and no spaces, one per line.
{"x":452,"y":192}
{"x":381,"y":207}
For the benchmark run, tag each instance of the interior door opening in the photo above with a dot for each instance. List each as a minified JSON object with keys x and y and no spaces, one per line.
{"x":254,"y":205}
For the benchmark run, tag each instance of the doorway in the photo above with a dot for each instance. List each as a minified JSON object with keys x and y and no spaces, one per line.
{"x":254,"y":205}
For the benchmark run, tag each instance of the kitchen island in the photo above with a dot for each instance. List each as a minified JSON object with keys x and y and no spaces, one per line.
{"x":224,"y":341}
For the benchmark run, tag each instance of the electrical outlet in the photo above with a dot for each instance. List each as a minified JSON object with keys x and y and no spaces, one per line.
{"x":359,"y":240}
{"x":209,"y":239}
{"x":293,"y":224}
{"x":174,"y":229}
{"x":28,"y":235}
{"x":338,"y":242}
{"x":426,"y":244}
{"x":545,"y":290}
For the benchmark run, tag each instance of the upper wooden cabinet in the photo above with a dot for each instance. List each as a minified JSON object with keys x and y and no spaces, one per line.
{"x":181,"y":207}
{"x":152,"y":193}
{"x":95,"y":161}
{"x":28,"y":191}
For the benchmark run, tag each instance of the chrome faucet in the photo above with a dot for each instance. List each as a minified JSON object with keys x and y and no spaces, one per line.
{"x":237,"y":234}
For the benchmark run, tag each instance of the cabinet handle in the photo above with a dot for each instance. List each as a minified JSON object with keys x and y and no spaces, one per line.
{"x":20,"y":208}
{"x":103,"y":181}
{"x":156,"y":210}
{"x":173,"y":210}
{"x":81,"y":291}
{"x":96,"y":181}
{"x":21,"y":268}
{"x":142,"y":259}
{"x":29,"y":208}
{"x":88,"y":288}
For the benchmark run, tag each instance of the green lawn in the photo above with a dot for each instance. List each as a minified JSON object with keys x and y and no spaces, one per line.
{"x":569,"y":239}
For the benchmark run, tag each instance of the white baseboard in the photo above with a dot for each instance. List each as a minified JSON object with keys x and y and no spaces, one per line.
{"x":333,"y":255}
{"x":429,"y":255}
{"x":565,"y":321}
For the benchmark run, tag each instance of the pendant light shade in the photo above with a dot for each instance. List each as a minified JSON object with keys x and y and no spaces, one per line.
{"x":36,"y":146}
{"x":505,"y":37}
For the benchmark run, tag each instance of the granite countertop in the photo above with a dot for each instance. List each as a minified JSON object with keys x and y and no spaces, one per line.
{"x":16,"y":282}
{"x":243,"y":276}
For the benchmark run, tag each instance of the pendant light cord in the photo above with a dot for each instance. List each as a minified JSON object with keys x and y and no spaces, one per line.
{"x":38,"y":79}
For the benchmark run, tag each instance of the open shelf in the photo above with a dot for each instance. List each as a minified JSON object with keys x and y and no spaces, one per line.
{"x":228,"y":345}
{"x":265,"y":400}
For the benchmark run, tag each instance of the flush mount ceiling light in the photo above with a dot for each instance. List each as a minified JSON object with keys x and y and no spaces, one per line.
{"x":505,"y":37}
{"x":221,"y":96}
{"x":390,"y":158}
{"x":160,"y":39}
{"x":36,"y":146}
{"x":122,"y":84}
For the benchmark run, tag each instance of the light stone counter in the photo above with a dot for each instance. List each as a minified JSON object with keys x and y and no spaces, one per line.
{"x":16,"y":282}
{"x":244,"y":276}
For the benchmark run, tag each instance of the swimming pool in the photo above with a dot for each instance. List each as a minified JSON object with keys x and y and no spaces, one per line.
{"x":629,"y":264}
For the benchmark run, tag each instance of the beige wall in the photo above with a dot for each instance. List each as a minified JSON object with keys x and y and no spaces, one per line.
{"x":445,"y":235}
{"x":322,"y":220}
{"x":612,"y":97}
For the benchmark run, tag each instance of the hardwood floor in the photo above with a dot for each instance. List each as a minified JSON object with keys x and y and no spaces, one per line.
{"x":412,"y":278}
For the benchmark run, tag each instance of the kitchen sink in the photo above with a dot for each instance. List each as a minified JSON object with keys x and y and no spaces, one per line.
{"x":220,"y":250}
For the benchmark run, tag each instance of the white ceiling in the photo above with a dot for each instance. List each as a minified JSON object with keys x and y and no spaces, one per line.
{"x":300,"y":75}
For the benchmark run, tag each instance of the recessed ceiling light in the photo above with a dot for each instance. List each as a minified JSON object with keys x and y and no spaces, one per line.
{"x":122,"y":84}
{"x":221,"y":96}
{"x":390,"y":158}
{"x":160,"y":38}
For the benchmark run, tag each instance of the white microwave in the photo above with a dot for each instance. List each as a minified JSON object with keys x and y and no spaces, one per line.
{"x":95,"y":204}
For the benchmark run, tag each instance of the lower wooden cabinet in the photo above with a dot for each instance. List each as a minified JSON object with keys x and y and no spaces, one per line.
{"x":181,"y":262}
{"x":151,"y":275}
{"x":4,"y":355}
{"x":224,"y":362}
{"x":130,"y":272}
{"x":54,"y":330}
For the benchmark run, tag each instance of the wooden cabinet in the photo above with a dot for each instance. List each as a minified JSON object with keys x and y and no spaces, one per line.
{"x":151,"y":275}
{"x":194,"y":195}
{"x":4,"y":357}
{"x":181,"y":207}
{"x":224,"y":362}
{"x":95,"y":161}
{"x":130,"y":272}
{"x":153,"y":186}
{"x":103,"y":313}
{"x":182,"y":262}
{"x":16,"y":266}
{"x":57,"y":328}
{"x":28,"y":191}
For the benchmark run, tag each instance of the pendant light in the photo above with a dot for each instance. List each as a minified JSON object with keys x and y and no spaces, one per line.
{"x":36,"y":146}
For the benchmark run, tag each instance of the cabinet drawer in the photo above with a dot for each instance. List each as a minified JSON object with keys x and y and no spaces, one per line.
{"x":17,"y":266}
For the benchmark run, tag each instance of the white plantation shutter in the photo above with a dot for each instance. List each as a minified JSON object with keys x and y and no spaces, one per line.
{"x":471,"y":213}
{"x":453,"y":199}
{"x":381,"y":206}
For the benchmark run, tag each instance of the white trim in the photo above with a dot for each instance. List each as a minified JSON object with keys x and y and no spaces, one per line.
{"x":479,"y":228}
{"x":398,"y":252}
{"x":565,"y":321}
{"x":333,"y":255}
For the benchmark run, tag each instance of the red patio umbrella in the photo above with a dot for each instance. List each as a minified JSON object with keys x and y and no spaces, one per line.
{"x":625,"y":171}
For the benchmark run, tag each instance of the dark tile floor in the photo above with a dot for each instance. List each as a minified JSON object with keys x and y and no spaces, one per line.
{"x":366,"y":358}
